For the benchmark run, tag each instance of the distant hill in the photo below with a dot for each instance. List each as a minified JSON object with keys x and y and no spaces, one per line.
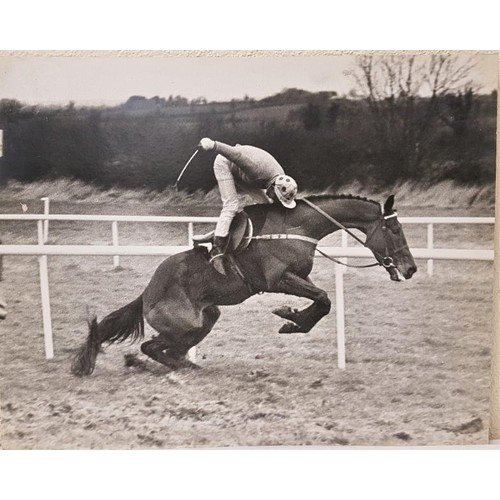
{"x":321,"y":139}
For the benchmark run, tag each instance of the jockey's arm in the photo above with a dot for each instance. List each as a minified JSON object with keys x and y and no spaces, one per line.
{"x":257,"y":165}
{"x":232,"y":153}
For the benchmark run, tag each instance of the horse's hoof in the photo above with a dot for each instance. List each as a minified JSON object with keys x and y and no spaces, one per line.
{"x":284,"y":312}
{"x":189,"y":364}
{"x":290,"y":328}
{"x":132,"y":361}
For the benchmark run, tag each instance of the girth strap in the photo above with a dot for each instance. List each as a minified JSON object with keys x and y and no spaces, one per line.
{"x":239,"y":272}
{"x":285,"y":237}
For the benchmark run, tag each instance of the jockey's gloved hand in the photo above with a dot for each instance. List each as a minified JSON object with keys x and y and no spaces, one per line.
{"x":207,"y":144}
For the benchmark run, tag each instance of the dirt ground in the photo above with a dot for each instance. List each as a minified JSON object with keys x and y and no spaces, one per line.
{"x":417,"y":354}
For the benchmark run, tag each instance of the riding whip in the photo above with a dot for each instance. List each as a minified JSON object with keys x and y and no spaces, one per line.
{"x":185,"y":167}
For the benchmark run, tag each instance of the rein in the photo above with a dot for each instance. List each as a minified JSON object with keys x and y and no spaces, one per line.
{"x":344,"y":263}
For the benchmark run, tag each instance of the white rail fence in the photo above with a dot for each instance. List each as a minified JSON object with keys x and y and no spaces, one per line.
{"x":42,"y":250}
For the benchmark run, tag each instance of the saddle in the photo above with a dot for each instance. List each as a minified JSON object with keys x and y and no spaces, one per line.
{"x":240,"y":234}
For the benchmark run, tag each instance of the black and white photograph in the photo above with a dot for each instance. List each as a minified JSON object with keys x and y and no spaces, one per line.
{"x":235,"y":249}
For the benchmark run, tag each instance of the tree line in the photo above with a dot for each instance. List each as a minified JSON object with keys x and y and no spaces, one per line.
{"x":389,"y":131}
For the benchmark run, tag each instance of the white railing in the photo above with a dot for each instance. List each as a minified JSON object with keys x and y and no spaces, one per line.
{"x":165,"y":250}
{"x":430,"y":221}
{"x":114,"y":219}
{"x":42,"y":251}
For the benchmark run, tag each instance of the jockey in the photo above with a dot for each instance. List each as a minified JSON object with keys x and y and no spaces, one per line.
{"x":255,"y":172}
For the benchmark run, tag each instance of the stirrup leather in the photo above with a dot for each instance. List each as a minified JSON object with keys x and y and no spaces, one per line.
{"x":216,"y":257}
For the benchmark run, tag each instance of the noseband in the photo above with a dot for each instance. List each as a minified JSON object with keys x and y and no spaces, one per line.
{"x":385,"y":260}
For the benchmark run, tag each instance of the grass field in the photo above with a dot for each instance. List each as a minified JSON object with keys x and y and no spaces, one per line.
{"x":417,"y":352}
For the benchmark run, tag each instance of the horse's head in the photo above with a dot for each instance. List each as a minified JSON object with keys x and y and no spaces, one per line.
{"x":385,"y":238}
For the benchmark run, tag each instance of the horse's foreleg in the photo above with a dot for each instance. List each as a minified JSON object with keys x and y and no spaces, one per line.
{"x":304,"y":320}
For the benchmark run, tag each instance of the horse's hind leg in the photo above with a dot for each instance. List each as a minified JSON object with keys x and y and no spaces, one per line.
{"x":304,"y":320}
{"x":177,"y":337}
{"x":160,"y":351}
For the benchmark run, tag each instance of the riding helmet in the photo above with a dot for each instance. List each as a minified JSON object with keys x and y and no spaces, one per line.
{"x":286,"y":190}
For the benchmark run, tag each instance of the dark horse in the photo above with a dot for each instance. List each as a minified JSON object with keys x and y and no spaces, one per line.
{"x":180,"y":302}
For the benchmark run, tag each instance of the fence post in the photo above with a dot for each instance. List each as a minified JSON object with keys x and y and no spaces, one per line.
{"x":344,"y":245}
{"x":46,"y":203}
{"x":114,"y":231}
{"x":44,"y":292}
{"x":191,"y":355}
{"x":430,"y":245}
{"x":340,"y":314}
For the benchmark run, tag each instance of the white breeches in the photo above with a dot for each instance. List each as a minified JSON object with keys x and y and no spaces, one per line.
{"x":229,"y":196}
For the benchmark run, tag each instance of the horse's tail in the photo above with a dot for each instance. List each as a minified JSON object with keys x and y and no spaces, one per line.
{"x":128,"y":321}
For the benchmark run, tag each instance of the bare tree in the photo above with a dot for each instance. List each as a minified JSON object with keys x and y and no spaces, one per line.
{"x":404,"y":94}
{"x":457,"y":113}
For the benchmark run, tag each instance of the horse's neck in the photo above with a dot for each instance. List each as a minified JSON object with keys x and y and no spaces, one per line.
{"x":353,"y":213}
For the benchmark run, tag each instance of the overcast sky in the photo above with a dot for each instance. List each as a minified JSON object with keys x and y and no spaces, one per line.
{"x":101,"y":80}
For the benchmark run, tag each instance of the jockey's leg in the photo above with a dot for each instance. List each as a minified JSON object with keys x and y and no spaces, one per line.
{"x":230,"y":206}
{"x":217,"y":253}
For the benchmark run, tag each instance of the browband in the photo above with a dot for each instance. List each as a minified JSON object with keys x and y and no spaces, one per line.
{"x":395,"y":214}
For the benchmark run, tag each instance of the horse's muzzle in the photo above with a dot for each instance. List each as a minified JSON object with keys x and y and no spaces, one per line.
{"x":410,"y":272}
{"x":397,"y":275}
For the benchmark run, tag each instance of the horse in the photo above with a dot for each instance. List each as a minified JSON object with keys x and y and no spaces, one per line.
{"x":180,"y":302}
{"x":3,"y":309}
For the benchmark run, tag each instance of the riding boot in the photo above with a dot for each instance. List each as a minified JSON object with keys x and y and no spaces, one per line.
{"x":217,"y":253}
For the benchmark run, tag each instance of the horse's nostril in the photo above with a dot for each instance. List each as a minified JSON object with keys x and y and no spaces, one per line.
{"x":411,"y":271}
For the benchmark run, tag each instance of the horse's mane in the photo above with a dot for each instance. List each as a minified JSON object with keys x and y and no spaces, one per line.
{"x":264,"y":208}
{"x":258,"y":212}
{"x":315,"y":197}
{"x":318,"y":197}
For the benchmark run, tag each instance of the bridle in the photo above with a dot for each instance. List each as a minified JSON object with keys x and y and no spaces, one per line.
{"x":385,"y":260}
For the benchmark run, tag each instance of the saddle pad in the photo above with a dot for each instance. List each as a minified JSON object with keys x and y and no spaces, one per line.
{"x":240,"y":232}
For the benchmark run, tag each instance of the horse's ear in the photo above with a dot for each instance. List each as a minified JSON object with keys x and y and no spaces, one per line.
{"x":389,"y":203}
